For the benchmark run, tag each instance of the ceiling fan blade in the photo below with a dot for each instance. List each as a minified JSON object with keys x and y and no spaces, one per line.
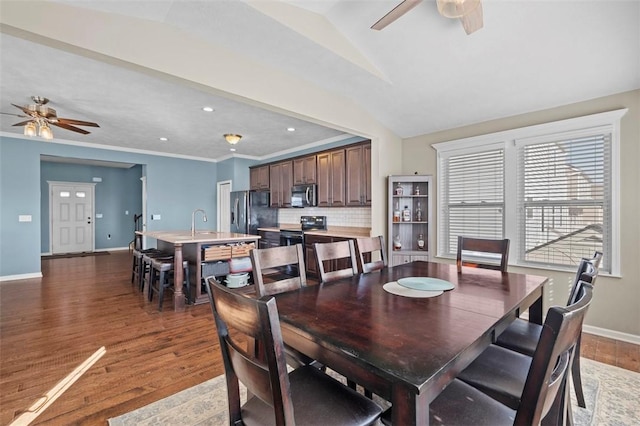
{"x":22,"y":123}
{"x":472,"y":21}
{"x":72,"y":128}
{"x":77,"y":122}
{"x":24,"y":109}
{"x":15,"y":115}
{"x":395,"y":13}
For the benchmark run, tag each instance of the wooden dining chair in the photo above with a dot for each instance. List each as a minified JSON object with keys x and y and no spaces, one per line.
{"x":518,"y":390}
{"x":263,"y":262}
{"x":522,"y":335}
{"x":485,"y":253}
{"x":343,"y":252}
{"x":268,"y":259}
{"x":518,"y":381}
{"x":304,"y":396}
{"x":368,"y":248}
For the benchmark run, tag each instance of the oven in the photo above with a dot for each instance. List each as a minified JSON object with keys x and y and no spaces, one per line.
{"x":290,"y":237}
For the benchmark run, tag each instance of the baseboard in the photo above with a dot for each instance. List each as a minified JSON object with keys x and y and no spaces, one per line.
{"x":21,"y":276}
{"x":612,"y":334}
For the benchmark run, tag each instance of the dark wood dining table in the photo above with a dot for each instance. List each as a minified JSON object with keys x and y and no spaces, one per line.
{"x":406,"y":349}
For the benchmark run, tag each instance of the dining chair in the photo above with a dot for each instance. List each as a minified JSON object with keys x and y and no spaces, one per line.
{"x":539,"y":383}
{"x":484,"y":253}
{"x":367,"y":249}
{"x":522,"y":335}
{"x":263,"y":261}
{"x":304,"y":396}
{"x":515,"y":379}
{"x":338,"y":250}
{"x":343,"y":251}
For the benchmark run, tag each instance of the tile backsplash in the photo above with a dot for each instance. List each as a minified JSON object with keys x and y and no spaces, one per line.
{"x":359,"y":217}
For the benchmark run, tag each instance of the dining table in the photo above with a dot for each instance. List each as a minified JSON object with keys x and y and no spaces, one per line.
{"x":406,"y":349}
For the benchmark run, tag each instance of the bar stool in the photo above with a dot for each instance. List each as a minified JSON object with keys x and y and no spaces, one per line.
{"x":161,"y":273}
{"x":145,"y":265}
{"x":136,"y":267}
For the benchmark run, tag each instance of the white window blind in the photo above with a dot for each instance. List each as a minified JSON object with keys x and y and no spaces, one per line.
{"x":472,"y":197}
{"x":564,"y":200}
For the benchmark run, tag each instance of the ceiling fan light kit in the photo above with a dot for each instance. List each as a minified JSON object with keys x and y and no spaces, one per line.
{"x":41,"y":117}
{"x":232,"y":138}
{"x":456,"y":8}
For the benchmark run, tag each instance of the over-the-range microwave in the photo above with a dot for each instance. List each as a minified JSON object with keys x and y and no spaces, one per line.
{"x":303,"y":196}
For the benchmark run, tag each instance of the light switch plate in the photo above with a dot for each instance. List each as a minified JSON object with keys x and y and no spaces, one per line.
{"x":156,"y":217}
{"x":24,"y":218}
{"x":98,"y":215}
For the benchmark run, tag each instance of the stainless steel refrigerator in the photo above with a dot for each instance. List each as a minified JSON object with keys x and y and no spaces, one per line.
{"x":250,"y":210}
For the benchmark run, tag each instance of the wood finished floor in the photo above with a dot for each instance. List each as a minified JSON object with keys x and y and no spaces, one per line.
{"x":49,"y":326}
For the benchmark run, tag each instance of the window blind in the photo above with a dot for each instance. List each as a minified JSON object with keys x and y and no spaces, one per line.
{"x":564,"y":196}
{"x":472,"y":198}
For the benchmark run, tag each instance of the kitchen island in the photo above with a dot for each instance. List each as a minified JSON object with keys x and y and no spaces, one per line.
{"x":187,"y":246}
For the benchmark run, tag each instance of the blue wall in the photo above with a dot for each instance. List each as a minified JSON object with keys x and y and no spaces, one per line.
{"x":118,"y":197}
{"x":175,"y":187}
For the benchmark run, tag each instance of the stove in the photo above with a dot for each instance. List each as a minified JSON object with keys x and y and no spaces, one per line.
{"x":291,"y":237}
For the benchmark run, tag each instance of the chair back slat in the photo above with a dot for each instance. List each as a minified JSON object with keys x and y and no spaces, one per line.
{"x":371,"y":247}
{"x":588,"y":270}
{"x":479,"y":246}
{"x":278,"y":257}
{"x":264,"y":374}
{"x":548,"y":374}
{"x":336,"y":251}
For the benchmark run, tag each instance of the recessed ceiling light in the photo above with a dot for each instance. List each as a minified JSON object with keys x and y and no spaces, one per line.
{"x":232,"y":149}
{"x":291,"y":129}
{"x":164,"y":139}
{"x":207,"y":109}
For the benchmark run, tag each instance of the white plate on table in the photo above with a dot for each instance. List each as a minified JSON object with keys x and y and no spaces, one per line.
{"x":425,"y":284}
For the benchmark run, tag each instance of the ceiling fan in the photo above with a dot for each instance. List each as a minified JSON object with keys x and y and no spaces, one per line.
{"x":41,"y":116}
{"x":469,"y":12}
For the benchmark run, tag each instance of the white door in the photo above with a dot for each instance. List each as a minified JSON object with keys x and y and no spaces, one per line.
{"x":224,"y":207}
{"x":71,"y":217}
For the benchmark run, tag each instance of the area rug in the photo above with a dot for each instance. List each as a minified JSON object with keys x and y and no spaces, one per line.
{"x":68,"y":255}
{"x":611,"y":394}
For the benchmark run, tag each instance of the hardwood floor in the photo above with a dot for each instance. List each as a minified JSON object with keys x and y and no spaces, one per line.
{"x":51,"y":325}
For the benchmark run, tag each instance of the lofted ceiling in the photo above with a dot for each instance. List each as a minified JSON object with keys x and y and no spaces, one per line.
{"x":419,"y":75}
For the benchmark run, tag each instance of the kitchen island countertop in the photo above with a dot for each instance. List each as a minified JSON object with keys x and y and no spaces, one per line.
{"x":204,"y":236}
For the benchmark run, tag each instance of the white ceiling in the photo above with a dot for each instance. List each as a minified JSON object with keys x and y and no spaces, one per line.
{"x":419,"y":75}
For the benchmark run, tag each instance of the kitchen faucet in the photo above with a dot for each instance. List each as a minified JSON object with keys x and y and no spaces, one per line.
{"x":193,"y":220}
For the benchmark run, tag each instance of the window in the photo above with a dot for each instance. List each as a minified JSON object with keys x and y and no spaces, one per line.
{"x":472,"y":197}
{"x":552,"y":189}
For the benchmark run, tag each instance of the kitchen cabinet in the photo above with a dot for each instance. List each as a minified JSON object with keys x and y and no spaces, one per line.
{"x":331,"y":178}
{"x":259,"y":178}
{"x":304,"y":170}
{"x":409,"y":235}
{"x":358,"y":175}
{"x":310,"y":255}
{"x":281,"y":181}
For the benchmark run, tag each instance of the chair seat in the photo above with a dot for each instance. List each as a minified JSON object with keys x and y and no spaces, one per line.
{"x":500,"y":373}
{"x":317,"y":400}
{"x":461,"y":404}
{"x":521,"y":336}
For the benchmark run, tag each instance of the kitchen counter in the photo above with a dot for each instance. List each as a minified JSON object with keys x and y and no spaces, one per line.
{"x":204,"y":236}
{"x":332,"y":231}
{"x":190,"y":247}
